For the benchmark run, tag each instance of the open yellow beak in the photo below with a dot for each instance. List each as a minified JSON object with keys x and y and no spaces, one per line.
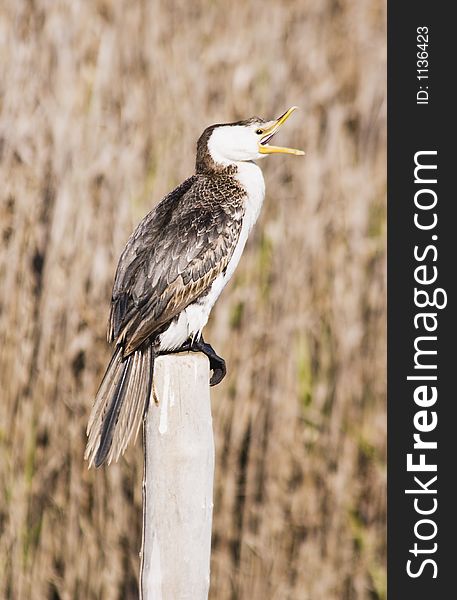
{"x":268,"y":133}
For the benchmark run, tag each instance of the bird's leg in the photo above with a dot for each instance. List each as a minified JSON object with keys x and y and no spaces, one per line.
{"x":216,"y":362}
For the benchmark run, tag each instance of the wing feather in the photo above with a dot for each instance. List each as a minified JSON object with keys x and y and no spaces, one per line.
{"x":173,"y":256}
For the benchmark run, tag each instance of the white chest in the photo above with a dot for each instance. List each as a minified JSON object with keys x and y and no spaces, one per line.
{"x":251,"y":178}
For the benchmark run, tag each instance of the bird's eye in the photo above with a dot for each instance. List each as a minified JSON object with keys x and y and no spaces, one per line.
{"x":259,"y":131}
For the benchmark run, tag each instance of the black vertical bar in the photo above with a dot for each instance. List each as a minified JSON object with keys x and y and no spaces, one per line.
{"x":413,"y":128}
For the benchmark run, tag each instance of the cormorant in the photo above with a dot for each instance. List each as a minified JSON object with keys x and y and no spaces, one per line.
{"x":172,"y":270}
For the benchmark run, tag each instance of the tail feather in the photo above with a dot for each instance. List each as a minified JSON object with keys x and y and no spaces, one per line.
{"x":112,"y":414}
{"x":119,"y":405}
{"x":109,"y":381}
{"x":125,"y":418}
{"x":131,"y":416}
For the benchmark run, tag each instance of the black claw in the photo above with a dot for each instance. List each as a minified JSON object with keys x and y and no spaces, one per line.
{"x":218,"y":373}
{"x":216,"y":362}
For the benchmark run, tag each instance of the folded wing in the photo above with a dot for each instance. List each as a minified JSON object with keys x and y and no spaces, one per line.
{"x":172,"y":258}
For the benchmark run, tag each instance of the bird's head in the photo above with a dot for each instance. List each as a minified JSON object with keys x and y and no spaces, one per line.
{"x":230,"y":143}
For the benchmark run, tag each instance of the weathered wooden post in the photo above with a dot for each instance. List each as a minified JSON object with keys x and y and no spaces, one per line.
{"x":178,"y":481}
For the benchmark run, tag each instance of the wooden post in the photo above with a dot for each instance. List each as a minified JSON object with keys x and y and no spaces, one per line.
{"x":178,"y":481}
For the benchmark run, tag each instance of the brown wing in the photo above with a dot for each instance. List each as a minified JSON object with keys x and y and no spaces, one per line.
{"x":173,"y":256}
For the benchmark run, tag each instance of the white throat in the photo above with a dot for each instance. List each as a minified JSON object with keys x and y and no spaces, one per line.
{"x":218,"y":158}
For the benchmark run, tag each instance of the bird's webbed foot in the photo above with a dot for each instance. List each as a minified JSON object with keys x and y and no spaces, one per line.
{"x":216,"y":362}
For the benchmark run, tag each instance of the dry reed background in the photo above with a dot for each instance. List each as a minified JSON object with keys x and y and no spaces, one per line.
{"x":100,"y":106}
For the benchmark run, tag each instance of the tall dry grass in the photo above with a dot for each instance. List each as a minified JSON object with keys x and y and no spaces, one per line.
{"x":100,"y":106}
